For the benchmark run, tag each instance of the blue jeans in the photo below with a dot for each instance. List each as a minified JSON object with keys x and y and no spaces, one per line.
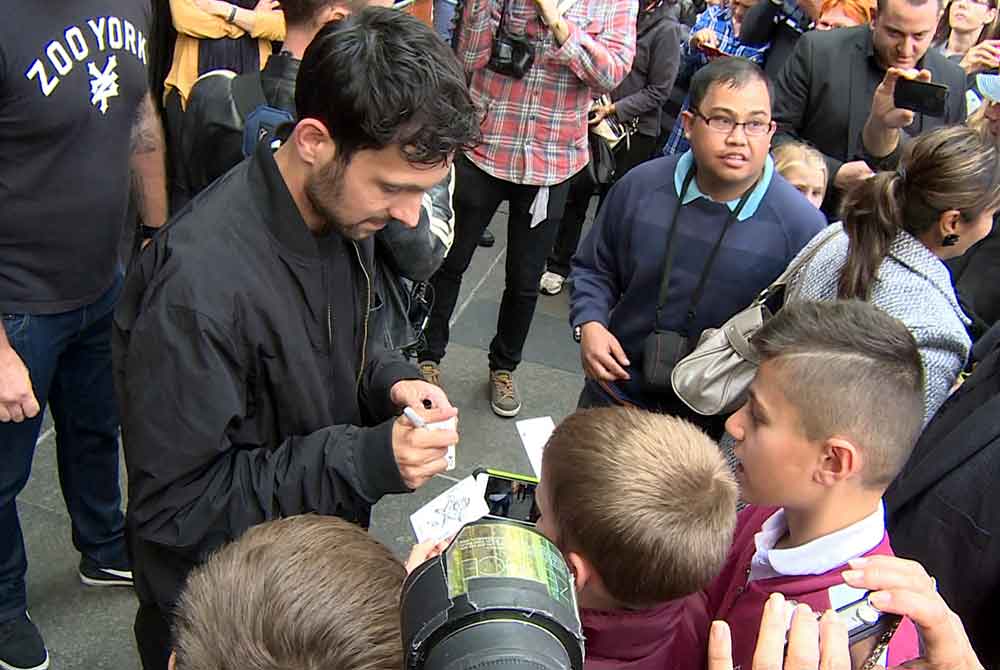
{"x":444,"y":15}
{"x":69,"y":358}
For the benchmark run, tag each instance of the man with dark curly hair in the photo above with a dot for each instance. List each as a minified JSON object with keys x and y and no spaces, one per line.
{"x":249,"y":389}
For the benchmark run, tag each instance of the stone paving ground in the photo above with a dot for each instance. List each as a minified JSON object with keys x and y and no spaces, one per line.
{"x":91,"y":629}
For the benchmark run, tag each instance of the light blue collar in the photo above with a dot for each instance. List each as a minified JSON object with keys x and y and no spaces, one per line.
{"x":693,"y":192}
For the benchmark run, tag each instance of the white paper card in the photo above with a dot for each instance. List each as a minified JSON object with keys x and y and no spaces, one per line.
{"x":535,"y":435}
{"x":447,"y":513}
{"x":448,"y":424}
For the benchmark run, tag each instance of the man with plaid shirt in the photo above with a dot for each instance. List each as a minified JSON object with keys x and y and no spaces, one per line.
{"x":534,"y":140}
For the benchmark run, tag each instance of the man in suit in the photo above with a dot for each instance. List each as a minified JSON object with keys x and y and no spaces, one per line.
{"x":941,"y":510}
{"x":824,"y":92}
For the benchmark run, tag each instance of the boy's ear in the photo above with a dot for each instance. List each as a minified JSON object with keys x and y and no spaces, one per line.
{"x":172,"y":661}
{"x":840,"y":459}
{"x":583,"y":571}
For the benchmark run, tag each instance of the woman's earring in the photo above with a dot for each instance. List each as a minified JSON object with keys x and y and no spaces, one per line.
{"x":949,"y":240}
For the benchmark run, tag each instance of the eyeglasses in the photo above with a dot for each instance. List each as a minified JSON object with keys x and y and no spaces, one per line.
{"x":724,"y":124}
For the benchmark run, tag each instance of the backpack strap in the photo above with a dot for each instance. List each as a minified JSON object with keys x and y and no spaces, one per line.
{"x":248,"y":93}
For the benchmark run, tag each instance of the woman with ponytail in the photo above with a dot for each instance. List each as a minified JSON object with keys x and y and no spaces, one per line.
{"x":898,"y":228}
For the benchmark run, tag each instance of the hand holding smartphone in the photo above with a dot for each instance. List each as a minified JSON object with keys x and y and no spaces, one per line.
{"x":923,"y":97}
{"x":508,"y":495}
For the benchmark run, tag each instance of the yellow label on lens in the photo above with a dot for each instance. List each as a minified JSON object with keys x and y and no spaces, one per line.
{"x":508,"y":550}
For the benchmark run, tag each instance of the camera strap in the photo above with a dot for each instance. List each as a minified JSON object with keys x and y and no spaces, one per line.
{"x":503,"y":16}
{"x":706,"y":271}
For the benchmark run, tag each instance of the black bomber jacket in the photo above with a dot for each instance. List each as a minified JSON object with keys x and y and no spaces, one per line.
{"x":233,"y":412}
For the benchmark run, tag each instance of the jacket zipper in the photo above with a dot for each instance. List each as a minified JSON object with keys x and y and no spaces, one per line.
{"x":368,"y":307}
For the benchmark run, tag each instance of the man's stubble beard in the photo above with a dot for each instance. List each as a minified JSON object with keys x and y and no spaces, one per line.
{"x":323,"y":188}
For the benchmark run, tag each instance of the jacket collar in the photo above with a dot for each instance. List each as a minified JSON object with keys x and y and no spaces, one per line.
{"x":631,"y":638}
{"x":282,"y":66}
{"x":274,"y":200}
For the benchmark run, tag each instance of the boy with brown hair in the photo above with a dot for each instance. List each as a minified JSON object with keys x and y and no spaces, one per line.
{"x":301,"y":592}
{"x":642,"y":506}
{"x":832,"y":414}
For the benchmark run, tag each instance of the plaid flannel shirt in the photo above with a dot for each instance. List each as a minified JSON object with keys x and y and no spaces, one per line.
{"x":720,"y":20}
{"x":535,"y":128}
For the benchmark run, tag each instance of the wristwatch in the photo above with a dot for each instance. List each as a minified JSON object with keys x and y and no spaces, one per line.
{"x":577,"y":333}
{"x":148,"y":231}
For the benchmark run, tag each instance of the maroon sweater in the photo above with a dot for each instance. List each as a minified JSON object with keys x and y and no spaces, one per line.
{"x":643,"y":639}
{"x":740,"y":603}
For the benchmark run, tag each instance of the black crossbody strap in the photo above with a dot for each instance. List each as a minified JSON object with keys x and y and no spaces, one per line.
{"x":503,"y":17}
{"x":669,"y":259}
{"x":707,"y":270}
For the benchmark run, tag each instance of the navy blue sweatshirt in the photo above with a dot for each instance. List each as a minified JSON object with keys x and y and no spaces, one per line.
{"x":618,"y":267}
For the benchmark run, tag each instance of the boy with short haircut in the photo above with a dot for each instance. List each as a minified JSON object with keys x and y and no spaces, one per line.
{"x":301,"y":592}
{"x":832,"y":415}
{"x":643,"y":507}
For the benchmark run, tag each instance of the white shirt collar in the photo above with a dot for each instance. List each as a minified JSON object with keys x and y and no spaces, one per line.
{"x":817,"y":557}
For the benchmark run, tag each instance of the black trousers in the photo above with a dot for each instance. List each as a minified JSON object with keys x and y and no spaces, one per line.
{"x":152,"y":637}
{"x":638,"y":151}
{"x":173,"y":118}
{"x":477,"y":196}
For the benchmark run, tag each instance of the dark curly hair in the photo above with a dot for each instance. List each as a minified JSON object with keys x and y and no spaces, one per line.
{"x":381,"y":77}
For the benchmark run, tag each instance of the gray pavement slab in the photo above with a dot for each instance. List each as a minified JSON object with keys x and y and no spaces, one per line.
{"x":91,"y":629}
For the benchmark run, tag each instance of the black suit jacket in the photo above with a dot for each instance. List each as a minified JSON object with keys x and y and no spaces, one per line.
{"x":941,"y":511}
{"x":976,"y":274}
{"x":824,"y":93}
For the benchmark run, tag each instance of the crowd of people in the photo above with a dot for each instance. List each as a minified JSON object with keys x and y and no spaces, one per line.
{"x":234,"y":237}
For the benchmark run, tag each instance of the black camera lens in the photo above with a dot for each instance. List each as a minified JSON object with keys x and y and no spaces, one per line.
{"x":500,"y":597}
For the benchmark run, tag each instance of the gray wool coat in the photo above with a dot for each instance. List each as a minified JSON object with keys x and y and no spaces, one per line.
{"x":914,"y":286}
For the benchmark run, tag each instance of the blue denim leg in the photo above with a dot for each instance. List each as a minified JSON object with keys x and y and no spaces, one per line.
{"x":444,"y":16}
{"x":85,"y":414}
{"x":57,"y":350}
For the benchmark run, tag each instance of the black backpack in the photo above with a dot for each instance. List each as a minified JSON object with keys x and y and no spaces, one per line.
{"x":260,"y":120}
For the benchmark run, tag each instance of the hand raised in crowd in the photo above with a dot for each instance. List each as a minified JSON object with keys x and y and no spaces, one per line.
{"x":851,"y":173}
{"x":601,"y":353}
{"x":417,"y":393}
{"x":17,"y":398}
{"x":420,"y":452}
{"x":983,"y":56}
{"x":884,"y":112}
{"x":903,"y":587}
{"x":706,"y":37}
{"x":811,"y":643}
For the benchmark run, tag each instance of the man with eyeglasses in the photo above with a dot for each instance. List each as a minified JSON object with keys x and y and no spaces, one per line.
{"x":824,"y":92}
{"x":731,"y":221}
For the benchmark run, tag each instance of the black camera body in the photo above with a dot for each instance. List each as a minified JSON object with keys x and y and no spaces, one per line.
{"x":512,"y":55}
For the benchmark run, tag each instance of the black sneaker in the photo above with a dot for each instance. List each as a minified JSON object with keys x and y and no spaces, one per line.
{"x":21,"y":645}
{"x":487,"y":239}
{"x":93,"y":574}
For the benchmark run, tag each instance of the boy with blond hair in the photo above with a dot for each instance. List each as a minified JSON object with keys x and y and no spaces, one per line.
{"x":643,"y":507}
{"x":831,"y":417}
